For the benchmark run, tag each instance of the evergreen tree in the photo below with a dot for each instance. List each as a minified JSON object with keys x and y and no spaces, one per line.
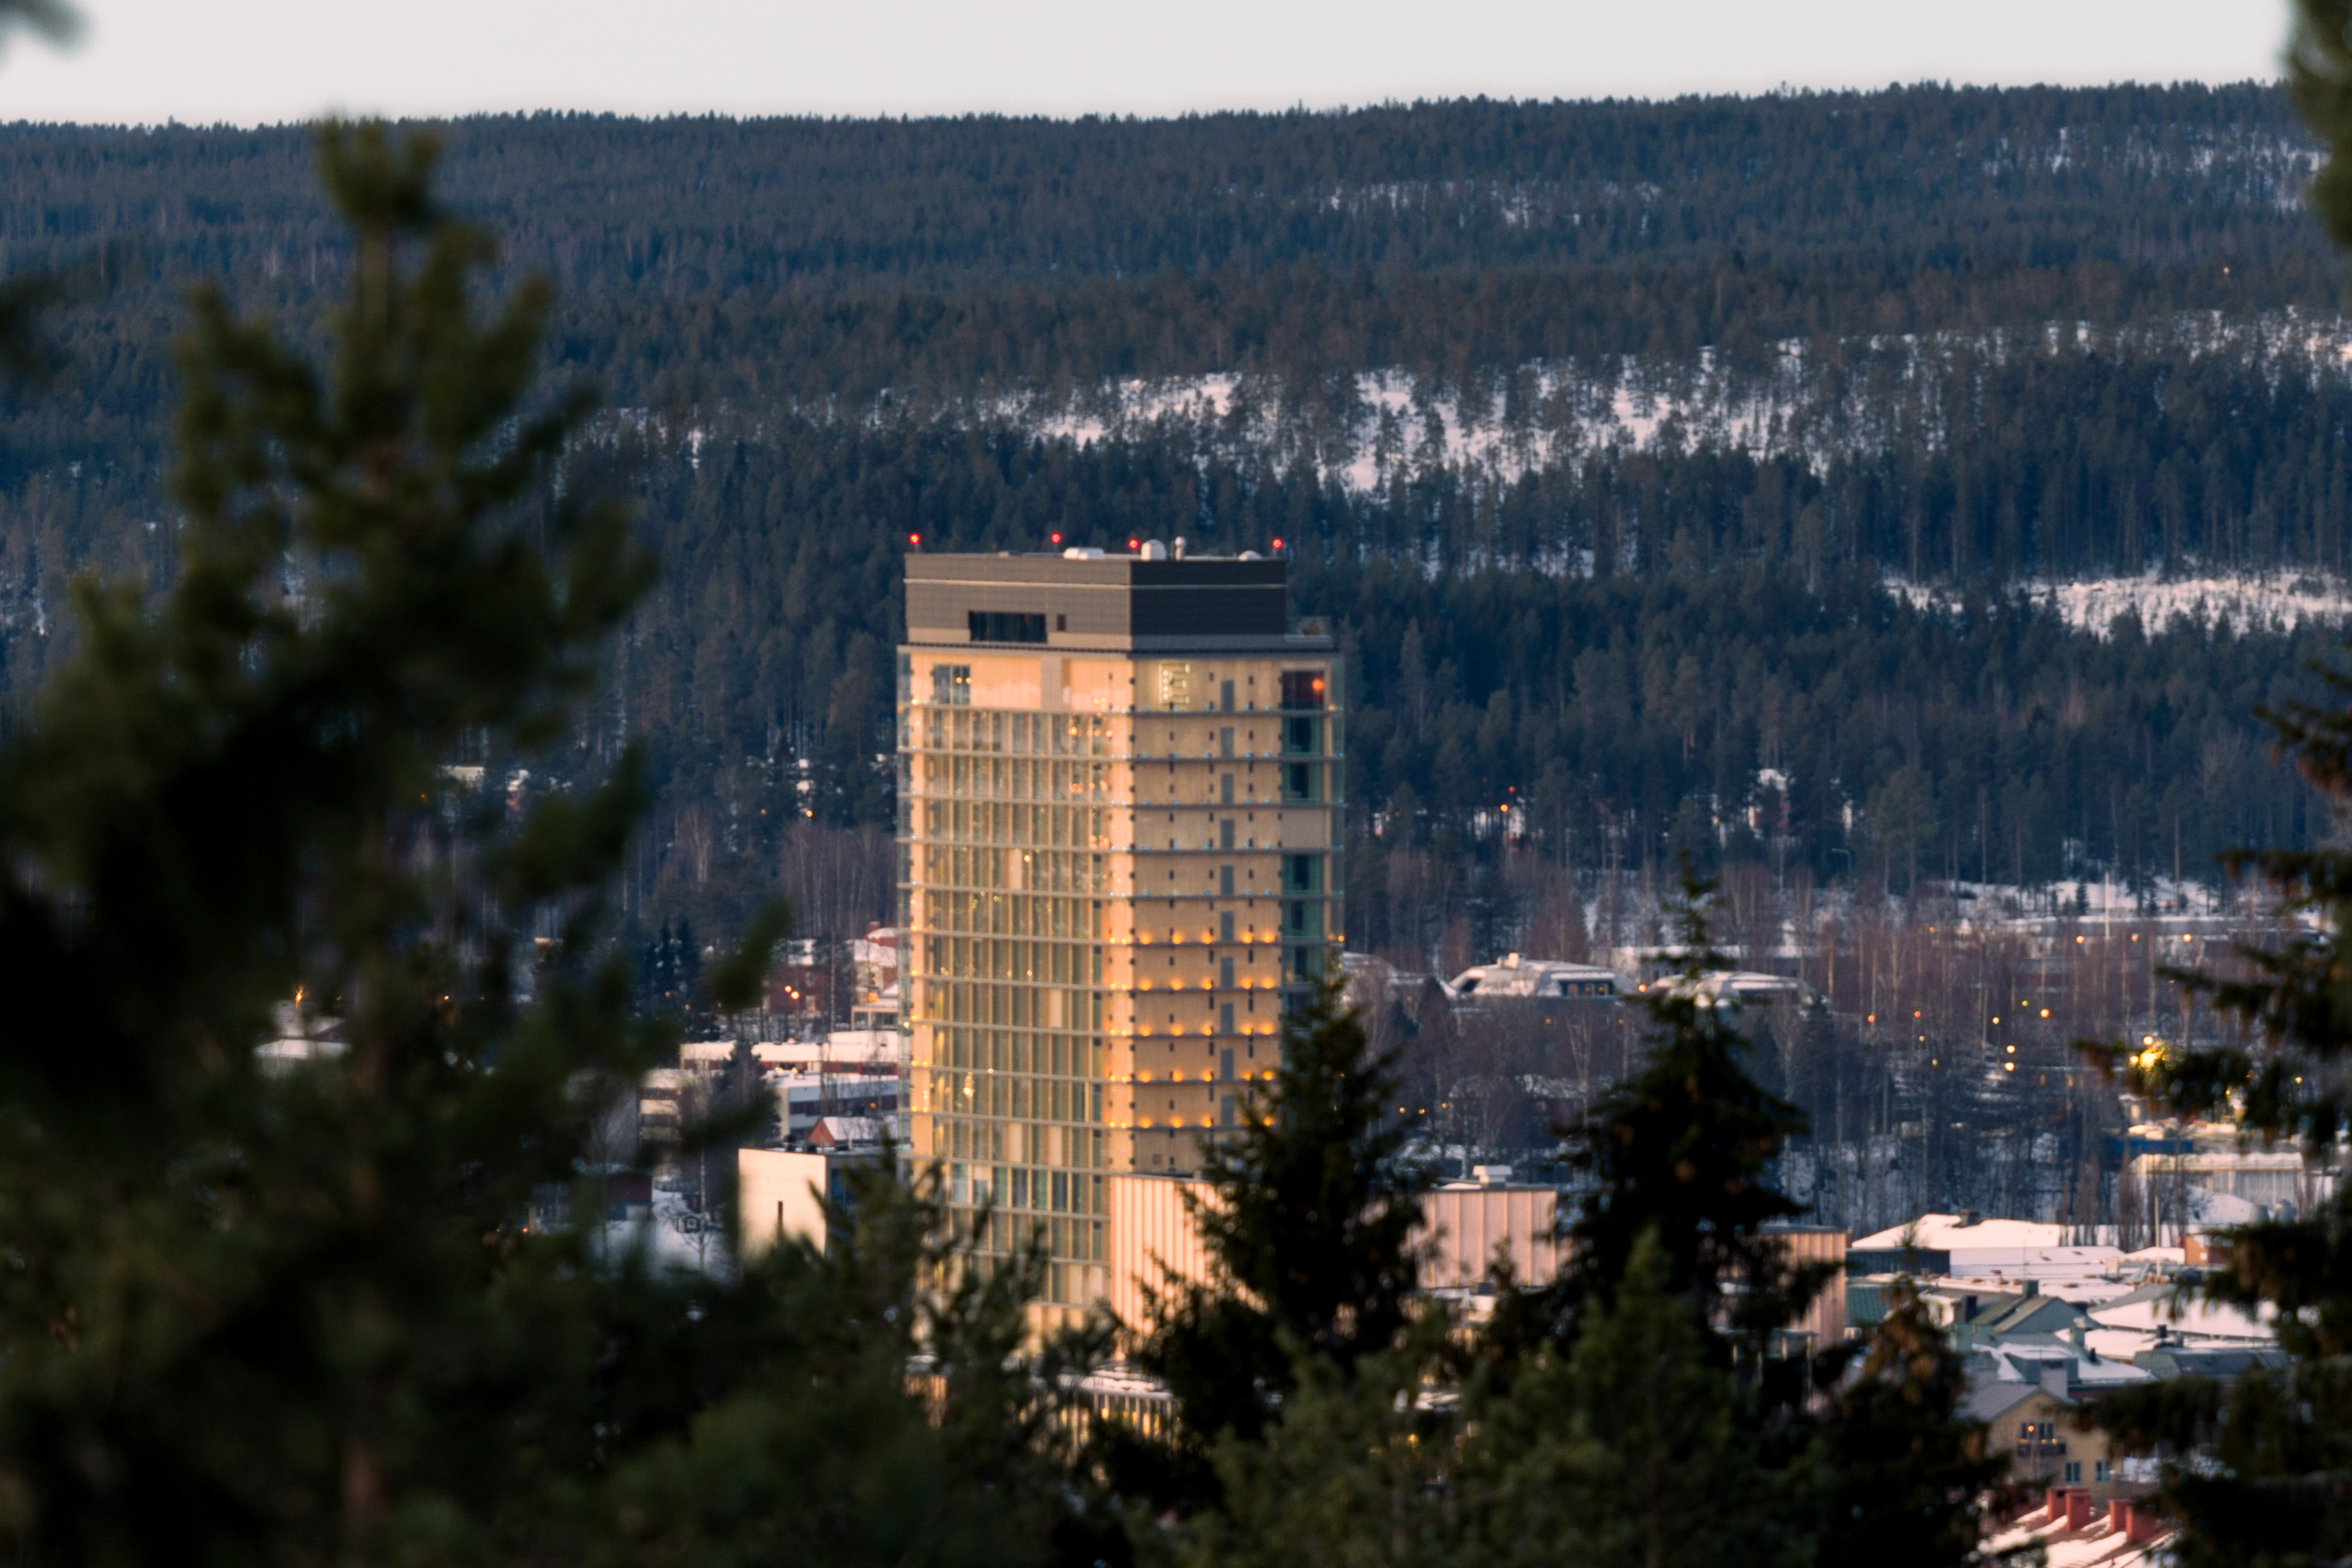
{"x":263,"y":1308}
{"x":1358,"y":1471}
{"x":1681,"y":1156}
{"x":1904,"y":1477}
{"x":1630,"y":1449}
{"x":1683,"y":1151}
{"x":1308,"y":1225}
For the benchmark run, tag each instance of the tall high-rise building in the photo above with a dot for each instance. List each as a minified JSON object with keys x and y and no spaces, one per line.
{"x":1119,"y":829}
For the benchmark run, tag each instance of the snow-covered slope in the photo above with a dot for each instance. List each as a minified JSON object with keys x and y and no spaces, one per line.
{"x":1809,"y":402}
{"x":2276,"y":601}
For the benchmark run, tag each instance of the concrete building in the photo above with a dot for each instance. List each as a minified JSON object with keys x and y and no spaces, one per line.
{"x":1464,"y":1228}
{"x":1119,"y":864}
{"x":1823,"y":1322}
{"x":1974,"y":1245}
{"x":782,"y":1192}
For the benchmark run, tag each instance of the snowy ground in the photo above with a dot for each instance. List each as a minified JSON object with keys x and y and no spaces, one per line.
{"x":1993,"y":903}
{"x":1544,"y":415}
{"x":1866,"y":396}
{"x":672,"y":1237}
{"x":2247,"y":602}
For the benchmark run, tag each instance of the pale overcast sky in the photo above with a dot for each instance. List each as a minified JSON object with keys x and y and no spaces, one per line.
{"x":259,"y":60}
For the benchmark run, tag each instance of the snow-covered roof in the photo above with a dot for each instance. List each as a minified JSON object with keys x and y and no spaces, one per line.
{"x":843,"y":1049}
{"x":1518,"y":976}
{"x":2028,"y":1356}
{"x":1745,"y":987}
{"x":1932,"y":1233}
{"x":2186,"y":1318}
{"x":842,"y":1129}
{"x":2156,"y":1254}
{"x":1991,"y":1400}
{"x":2220,"y":1359}
{"x":2085,"y":1292}
{"x":1954,"y":1233}
{"x":2118,"y":1345}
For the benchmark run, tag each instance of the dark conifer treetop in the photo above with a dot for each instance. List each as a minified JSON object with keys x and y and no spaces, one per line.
{"x":1309,"y":1220}
{"x":1686,"y":1149}
{"x":295,"y":1308}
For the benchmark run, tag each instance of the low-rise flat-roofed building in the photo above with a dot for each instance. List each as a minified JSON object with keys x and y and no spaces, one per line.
{"x":1975,"y":1244}
{"x":1119,"y":781}
{"x":1540,"y":979}
{"x":1464,"y":1228}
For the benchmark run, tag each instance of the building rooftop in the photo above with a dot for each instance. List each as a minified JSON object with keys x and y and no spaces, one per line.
{"x":2035,"y":1314}
{"x":1965,"y":1244}
{"x":1087,"y":600}
{"x":1948,"y":1232}
{"x":2087,"y":1372}
{"x":1515,"y":976}
{"x":2161,"y":1306}
{"x":1742,"y":988}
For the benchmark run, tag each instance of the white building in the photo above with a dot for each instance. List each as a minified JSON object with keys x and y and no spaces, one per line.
{"x":1969,"y":1246}
{"x":1516,"y":976}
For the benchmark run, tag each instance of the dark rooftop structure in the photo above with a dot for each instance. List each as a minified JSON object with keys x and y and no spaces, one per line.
{"x":1080,"y":599}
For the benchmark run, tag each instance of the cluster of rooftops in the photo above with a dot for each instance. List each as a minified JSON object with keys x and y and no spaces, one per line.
{"x":2039,"y":1312}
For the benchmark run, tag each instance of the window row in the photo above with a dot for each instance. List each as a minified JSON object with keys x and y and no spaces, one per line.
{"x":1011,"y":1051}
{"x":959,"y":727}
{"x":1044,"y":826}
{"x":1014,"y":964}
{"x":1018,"y":1007}
{"x":954,"y":909}
{"x":1183,"y":686}
{"x":1011,"y":778}
{"x":1007,"y":1228}
{"x":1014,"y":1098}
{"x":1022,"y":1190}
{"x":1057,"y":1146}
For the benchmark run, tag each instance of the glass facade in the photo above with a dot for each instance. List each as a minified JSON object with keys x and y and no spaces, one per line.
{"x":1117,"y":870}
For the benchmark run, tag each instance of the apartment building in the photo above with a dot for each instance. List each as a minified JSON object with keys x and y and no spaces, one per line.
{"x":1119,"y":828}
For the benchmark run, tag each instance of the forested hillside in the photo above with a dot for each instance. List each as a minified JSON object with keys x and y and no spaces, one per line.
{"x":1602,"y":430}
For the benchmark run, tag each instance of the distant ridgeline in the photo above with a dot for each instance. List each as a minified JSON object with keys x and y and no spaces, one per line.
{"x":1599,"y":426}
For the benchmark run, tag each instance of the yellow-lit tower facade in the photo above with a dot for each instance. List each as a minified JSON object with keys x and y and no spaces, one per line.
{"x":1119,"y":864}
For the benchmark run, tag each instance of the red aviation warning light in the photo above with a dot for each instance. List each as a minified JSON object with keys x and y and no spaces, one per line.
{"x":914,"y":542}
{"x":1057,"y":539}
